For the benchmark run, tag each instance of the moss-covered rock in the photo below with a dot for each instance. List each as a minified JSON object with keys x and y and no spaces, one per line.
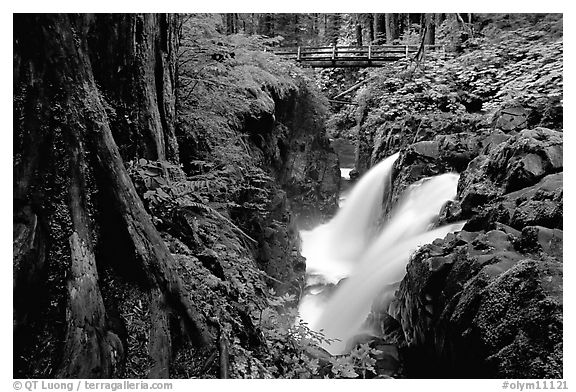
{"x":476,"y":304}
{"x":487,"y":301}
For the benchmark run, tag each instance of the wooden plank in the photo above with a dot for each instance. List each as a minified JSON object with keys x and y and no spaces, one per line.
{"x":350,"y":56}
{"x":344,"y":64}
{"x":380,"y":57}
{"x":365,"y":58}
{"x":397,"y":49}
{"x":358,"y":48}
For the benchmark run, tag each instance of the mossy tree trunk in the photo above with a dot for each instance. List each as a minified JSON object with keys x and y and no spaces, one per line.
{"x":133,"y":61}
{"x":79,"y":102}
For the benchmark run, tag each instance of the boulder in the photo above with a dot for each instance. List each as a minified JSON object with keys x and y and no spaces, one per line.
{"x":511,"y":118}
{"x":458,"y":149}
{"x":426,"y":149}
{"x":494,"y":139}
{"x":542,"y":239}
{"x":540,"y":204}
{"x":480,"y":304}
{"x":516,"y":182}
{"x":485,"y":302}
{"x":524,"y":159}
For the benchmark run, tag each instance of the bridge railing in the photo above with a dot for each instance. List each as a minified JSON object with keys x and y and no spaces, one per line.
{"x":345,"y":53}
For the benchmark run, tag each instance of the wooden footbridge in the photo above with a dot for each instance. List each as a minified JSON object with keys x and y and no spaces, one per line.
{"x":352,"y":56}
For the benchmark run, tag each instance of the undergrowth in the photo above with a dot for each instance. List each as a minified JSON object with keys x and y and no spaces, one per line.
{"x":221,"y":208}
{"x":491,"y":70}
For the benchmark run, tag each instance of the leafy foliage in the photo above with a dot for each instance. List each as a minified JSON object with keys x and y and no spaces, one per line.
{"x":295,"y":351}
{"x":520,"y":67}
{"x":230,"y":83}
{"x":224,"y":195}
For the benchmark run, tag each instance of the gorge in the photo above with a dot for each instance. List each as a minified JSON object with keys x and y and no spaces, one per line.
{"x":188,"y":204}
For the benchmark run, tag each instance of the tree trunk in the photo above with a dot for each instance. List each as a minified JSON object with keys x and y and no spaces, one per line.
{"x":380,"y":26}
{"x":265,"y":24}
{"x":134,"y":61}
{"x":391,"y":28}
{"x":439,"y":18}
{"x":229,"y":24}
{"x":368,"y":21}
{"x":58,"y":186}
{"x":403,"y":23}
{"x":430,"y":29}
{"x":358,"y":34}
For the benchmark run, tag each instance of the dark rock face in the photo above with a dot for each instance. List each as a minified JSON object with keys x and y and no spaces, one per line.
{"x":278,"y":248}
{"x":479,"y":304}
{"x":487,"y":301}
{"x":288,"y":138}
{"x":517,"y":182}
{"x":512,"y":118}
{"x":519,"y":162}
{"x":496,"y":163}
{"x":290,"y":132}
{"x":311,"y":172}
{"x":284,"y":137}
{"x":540,"y":204}
{"x":445,"y":153}
{"x":397,"y":135}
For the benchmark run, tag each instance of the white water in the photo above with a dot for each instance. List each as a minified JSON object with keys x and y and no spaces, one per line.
{"x":345,"y":175}
{"x":345,"y":172}
{"x":349,"y":246}
{"x":331,"y":249}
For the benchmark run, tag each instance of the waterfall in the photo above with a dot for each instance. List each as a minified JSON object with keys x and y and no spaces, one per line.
{"x":350,"y":263}
{"x":331,"y":249}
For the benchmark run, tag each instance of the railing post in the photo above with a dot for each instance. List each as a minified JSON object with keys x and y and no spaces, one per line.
{"x":299,"y":54}
{"x":369,"y":52}
{"x":334,"y":52}
{"x":406,"y":51}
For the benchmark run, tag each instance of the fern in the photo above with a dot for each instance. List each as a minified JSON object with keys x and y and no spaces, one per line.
{"x":184,"y":188}
{"x":207,"y":208}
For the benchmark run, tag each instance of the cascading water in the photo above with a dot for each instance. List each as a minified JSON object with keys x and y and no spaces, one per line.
{"x":350,"y":247}
{"x":332,"y":248}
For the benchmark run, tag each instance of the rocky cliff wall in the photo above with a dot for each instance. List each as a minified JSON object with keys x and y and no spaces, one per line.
{"x":487,"y":301}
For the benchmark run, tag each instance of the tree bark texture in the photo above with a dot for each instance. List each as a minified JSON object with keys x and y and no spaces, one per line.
{"x":380,"y":26}
{"x":70,"y":89}
{"x":369,"y":27}
{"x":430,"y":29}
{"x":392,"y":32}
{"x":134,"y":62}
{"x":358,"y":34}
